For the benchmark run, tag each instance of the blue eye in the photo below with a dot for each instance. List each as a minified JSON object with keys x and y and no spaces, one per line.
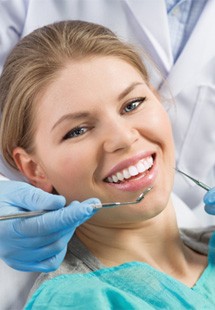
{"x":75,"y":132}
{"x":133,"y":105}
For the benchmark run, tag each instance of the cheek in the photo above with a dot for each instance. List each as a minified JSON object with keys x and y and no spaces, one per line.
{"x":70,"y":171}
{"x":165,"y":140}
{"x":67,"y":174}
{"x":158,"y":131}
{"x":166,"y":132}
{"x":157,"y":127}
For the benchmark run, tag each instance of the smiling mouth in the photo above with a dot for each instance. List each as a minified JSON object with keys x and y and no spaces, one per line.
{"x":133,"y":171}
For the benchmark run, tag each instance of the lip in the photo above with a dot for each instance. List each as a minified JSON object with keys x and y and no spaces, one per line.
{"x":141,"y":181}
{"x":128,"y":162}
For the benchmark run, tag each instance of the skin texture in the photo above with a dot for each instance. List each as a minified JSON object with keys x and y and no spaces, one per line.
{"x":121,"y":121}
{"x":111,"y":137}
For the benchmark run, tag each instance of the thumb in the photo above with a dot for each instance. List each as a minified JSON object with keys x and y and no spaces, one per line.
{"x":69,"y":217}
{"x":76,"y":213}
{"x":209,"y":198}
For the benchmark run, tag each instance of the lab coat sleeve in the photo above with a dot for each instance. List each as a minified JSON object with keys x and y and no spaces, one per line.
{"x":12,"y":19}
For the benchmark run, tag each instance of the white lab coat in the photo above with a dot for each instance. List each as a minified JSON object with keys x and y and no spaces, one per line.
{"x":191,"y":80}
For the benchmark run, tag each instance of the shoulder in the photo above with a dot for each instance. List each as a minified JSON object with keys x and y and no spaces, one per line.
{"x":78,"y":260}
{"x":72,"y":291}
{"x":70,"y":265}
{"x":110,"y":287}
{"x":198,"y":239}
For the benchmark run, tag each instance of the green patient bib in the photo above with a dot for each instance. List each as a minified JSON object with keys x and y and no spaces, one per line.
{"x":134,"y":285}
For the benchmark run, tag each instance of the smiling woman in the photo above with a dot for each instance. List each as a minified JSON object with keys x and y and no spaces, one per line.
{"x":80,"y":114}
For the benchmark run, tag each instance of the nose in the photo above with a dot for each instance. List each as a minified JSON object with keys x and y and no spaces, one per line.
{"x":119,"y":135}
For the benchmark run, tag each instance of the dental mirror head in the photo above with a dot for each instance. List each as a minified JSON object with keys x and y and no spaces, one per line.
{"x":117,"y":204}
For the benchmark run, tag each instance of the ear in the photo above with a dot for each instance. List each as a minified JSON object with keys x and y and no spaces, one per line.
{"x":31,"y":169}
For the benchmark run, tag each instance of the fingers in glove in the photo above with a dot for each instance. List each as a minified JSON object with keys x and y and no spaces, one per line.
{"x":47,"y":265}
{"x":69,"y":217}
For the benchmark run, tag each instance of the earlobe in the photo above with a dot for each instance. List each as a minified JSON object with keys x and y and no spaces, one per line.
{"x":31,"y":169}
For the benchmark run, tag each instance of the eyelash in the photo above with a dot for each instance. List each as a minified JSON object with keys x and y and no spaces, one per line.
{"x":73,"y":133}
{"x":79,"y":131}
{"x":134,"y":104}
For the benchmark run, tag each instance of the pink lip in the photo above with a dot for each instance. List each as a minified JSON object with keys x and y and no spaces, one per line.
{"x":140,"y":182}
{"x":128,"y":162}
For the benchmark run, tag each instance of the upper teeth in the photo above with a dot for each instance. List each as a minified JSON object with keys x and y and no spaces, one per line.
{"x":140,"y":167}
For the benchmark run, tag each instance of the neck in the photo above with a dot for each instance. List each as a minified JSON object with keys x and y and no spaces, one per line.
{"x":145,"y":241}
{"x":156,"y":242}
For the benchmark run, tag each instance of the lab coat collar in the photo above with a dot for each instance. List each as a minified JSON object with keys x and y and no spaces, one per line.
{"x":200,"y":48}
{"x":153,"y":24}
{"x":154,"y":33}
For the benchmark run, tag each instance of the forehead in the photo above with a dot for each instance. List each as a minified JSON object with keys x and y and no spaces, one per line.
{"x":91,"y":77}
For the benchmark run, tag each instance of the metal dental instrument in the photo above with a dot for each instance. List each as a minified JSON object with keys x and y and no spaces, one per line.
{"x":117,"y":204}
{"x":206,"y":187}
{"x":95,"y":206}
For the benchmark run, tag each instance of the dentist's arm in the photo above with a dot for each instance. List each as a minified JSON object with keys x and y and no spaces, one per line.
{"x":12,"y":20}
{"x":209,"y":200}
{"x":37,"y":243}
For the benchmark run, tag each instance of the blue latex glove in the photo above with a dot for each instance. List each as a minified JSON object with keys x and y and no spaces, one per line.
{"x":37,"y":243}
{"x":209,"y":200}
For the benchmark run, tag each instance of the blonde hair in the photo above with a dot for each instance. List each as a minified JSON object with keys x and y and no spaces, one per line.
{"x":35,"y":62}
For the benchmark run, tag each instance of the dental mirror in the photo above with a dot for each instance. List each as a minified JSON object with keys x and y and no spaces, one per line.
{"x":95,"y":206}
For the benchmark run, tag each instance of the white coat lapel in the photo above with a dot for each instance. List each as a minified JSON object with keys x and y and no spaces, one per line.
{"x":154,"y":31}
{"x":199,"y":49}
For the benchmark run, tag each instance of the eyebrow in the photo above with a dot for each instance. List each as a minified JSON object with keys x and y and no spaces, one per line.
{"x":71,"y":116}
{"x":85,"y":114}
{"x":128,"y":90}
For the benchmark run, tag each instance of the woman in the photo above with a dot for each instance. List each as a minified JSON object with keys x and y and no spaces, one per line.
{"x":80,"y":104}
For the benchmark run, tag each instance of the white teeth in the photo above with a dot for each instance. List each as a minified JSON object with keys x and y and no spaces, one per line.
{"x":120,"y":176}
{"x":115,"y":179}
{"x":142,"y":166}
{"x":149,"y":160}
{"x":133,"y":171}
{"x":126,"y":174}
{"x":110,"y":180}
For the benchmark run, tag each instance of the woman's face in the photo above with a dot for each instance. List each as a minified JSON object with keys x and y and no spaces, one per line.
{"x":101,"y":132}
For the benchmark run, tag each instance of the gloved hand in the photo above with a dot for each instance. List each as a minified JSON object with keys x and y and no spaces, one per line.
{"x":209,"y":200}
{"x":37,"y":243}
